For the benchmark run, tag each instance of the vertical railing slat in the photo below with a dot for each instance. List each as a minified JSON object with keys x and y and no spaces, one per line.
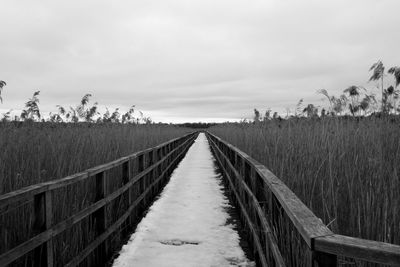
{"x":126,"y":177}
{"x":100,"y":216}
{"x":43,"y":220}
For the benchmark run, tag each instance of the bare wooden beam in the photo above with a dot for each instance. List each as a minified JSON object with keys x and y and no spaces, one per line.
{"x":368,"y":250}
{"x":126,"y":177}
{"x":100,"y":216}
{"x":308,"y":225}
{"x":43,"y":219}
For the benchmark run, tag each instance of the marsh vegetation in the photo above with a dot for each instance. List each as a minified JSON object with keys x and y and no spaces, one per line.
{"x":342,"y":160}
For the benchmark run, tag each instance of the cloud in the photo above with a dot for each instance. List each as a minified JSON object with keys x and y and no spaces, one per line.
{"x":192,"y":59}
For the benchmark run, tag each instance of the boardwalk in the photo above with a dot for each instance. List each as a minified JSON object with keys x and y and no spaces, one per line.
{"x":187,"y":225}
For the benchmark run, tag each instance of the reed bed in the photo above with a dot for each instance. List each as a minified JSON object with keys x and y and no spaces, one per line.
{"x":345,"y":169}
{"x":32,"y":152}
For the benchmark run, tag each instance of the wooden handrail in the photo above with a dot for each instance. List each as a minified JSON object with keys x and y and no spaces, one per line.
{"x":177,"y":147}
{"x":362,"y":249}
{"x":6,"y":200}
{"x":308,"y":225}
{"x":265,"y":226}
{"x":324,"y":244}
{"x":118,"y":223}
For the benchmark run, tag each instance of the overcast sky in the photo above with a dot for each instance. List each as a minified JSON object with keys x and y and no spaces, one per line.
{"x":208,"y":60}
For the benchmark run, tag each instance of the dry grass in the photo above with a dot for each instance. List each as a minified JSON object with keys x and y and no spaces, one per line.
{"x":346,"y":170}
{"x":36,"y":152}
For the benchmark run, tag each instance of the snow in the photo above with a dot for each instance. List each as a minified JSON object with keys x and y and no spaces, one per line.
{"x":187,"y":225}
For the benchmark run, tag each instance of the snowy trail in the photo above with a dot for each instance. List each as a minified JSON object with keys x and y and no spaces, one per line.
{"x":187,"y":225}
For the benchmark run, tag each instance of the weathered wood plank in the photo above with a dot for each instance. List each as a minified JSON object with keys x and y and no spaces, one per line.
{"x":308,"y":225}
{"x":126,"y":177}
{"x":15,"y":253}
{"x":247,"y":217}
{"x":266,"y":227}
{"x":100,"y":216}
{"x":49,"y":223}
{"x":6,"y":200}
{"x":43,"y":219}
{"x":368,"y":250}
{"x":140,"y":163}
{"x":78,"y":259}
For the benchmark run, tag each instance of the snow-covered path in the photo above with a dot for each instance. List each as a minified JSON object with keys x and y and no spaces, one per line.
{"x":187,"y":225}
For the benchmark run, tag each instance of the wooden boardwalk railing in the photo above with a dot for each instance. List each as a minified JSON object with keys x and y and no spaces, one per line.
{"x":107,"y":201}
{"x":284,"y":232}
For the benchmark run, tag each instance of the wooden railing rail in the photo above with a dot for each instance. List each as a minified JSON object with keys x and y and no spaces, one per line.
{"x":267,"y":206}
{"x":154,"y":165}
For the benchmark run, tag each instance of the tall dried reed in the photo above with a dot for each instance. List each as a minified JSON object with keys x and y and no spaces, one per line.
{"x":33,"y":152}
{"x":345,"y":169}
{"x":36,"y":152}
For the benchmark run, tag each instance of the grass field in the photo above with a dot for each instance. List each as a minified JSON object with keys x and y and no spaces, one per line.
{"x":36,"y":152}
{"x":33,"y":152}
{"x":345,"y":169}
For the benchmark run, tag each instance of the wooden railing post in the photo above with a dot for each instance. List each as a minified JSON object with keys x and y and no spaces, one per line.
{"x":157,"y":157}
{"x":246,"y":173}
{"x":159,"y":154}
{"x":168,"y":161}
{"x":322,"y":259}
{"x":253,"y":183}
{"x":140,"y":163}
{"x":126,"y":172}
{"x":164,"y":151}
{"x":150,"y":159}
{"x":233,"y":157}
{"x":43,"y":255}
{"x":142,"y":182}
{"x":100,"y":216}
{"x":126,"y":177}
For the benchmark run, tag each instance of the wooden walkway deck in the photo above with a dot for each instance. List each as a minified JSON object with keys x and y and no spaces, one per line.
{"x":189,"y":224}
{"x":105,"y":204}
